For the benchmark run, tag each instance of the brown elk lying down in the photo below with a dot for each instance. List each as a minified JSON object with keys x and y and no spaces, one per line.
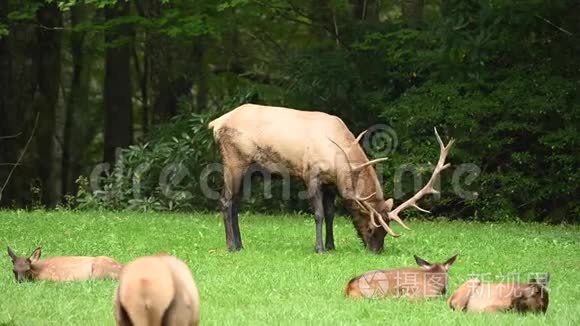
{"x":319,"y":149}
{"x":63,"y":268}
{"x":157,"y":290}
{"x":428,"y":281}
{"x":477,"y":296}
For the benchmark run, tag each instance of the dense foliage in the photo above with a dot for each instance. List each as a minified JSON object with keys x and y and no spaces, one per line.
{"x":500,"y":77}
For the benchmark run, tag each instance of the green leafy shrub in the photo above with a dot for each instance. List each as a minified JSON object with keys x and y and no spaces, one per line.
{"x":521,"y":132}
{"x":171,"y":170}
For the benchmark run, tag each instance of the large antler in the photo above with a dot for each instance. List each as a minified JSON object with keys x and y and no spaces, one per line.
{"x":362,"y":202}
{"x":428,"y":189}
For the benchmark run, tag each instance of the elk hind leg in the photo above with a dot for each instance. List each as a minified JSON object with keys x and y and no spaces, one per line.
{"x":121,"y":315}
{"x":230,"y":202}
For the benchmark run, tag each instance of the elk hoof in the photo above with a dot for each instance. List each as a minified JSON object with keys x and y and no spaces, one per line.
{"x":318,"y":250}
{"x":329,"y":246}
{"x":235,"y":248}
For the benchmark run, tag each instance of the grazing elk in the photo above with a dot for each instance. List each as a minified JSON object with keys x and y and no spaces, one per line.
{"x":64,"y":268}
{"x":426,"y":282}
{"x":157,"y":290}
{"x":477,"y":296}
{"x":318,"y":148}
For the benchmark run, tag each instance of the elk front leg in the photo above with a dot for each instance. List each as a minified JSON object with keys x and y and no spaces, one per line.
{"x":328,"y":202}
{"x":230,"y":201}
{"x":316,"y":196}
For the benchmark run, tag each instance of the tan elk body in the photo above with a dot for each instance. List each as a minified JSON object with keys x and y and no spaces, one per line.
{"x":157,"y":290}
{"x":318,"y":148}
{"x":430,"y":280}
{"x":63,"y":268}
{"x":477,"y":296}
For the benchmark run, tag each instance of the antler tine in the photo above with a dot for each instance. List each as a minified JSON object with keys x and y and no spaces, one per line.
{"x":421,"y":209}
{"x":385,"y":226}
{"x":375,"y":161}
{"x":359,"y":137}
{"x":363,"y":199}
{"x":362,"y":166}
{"x":429,"y":187}
{"x":444,"y":148}
{"x":366,"y":209}
{"x":342,"y":150}
{"x":398,"y":220}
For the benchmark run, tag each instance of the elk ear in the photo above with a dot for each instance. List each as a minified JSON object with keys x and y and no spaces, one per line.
{"x":422,"y":262}
{"x":389,"y":203}
{"x":542,"y":281}
{"x":35,"y":255}
{"x":11,"y":253}
{"x":449,"y":262}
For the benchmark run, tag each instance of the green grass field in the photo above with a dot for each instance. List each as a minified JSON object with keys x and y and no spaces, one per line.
{"x":278,"y":279}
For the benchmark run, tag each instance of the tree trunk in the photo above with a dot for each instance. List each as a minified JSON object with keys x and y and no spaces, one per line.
{"x":171,"y":76}
{"x":76,"y":134}
{"x":46,"y":100}
{"x":323,"y":17}
{"x":143,"y":72}
{"x":4,"y":86}
{"x":117,"y":89}
{"x":365,"y":10}
{"x":4,"y":77}
{"x":159,"y":60}
{"x":20,"y":73}
{"x":412,"y":12}
{"x":201,"y":74}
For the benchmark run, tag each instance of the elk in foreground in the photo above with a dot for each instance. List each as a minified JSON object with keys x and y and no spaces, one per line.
{"x":157,"y":290}
{"x":63,"y":268}
{"x":319,"y":149}
{"x":477,"y":296}
{"x":426,"y":282}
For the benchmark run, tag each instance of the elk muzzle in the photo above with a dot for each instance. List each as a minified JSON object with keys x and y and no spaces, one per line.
{"x":376,"y":240}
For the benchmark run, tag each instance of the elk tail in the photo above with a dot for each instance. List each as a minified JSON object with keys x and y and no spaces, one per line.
{"x":217,"y":123}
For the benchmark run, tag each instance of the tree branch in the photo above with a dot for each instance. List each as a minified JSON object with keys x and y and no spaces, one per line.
{"x":11,"y":136}
{"x":554,"y":25}
{"x":21,"y":156}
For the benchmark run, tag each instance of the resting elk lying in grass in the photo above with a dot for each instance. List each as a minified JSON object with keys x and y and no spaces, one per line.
{"x":319,"y":149}
{"x":157,"y":290}
{"x":426,"y":282}
{"x":64,"y":268}
{"x":477,"y":296}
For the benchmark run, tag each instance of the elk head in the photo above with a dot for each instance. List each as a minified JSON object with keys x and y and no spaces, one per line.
{"x":534,"y":297}
{"x":22,"y":266}
{"x":372,"y":210}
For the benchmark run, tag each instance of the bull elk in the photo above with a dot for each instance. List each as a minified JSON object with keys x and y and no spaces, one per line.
{"x":476,"y":296}
{"x":319,"y":149}
{"x":64,"y":268}
{"x":157,"y":290}
{"x":426,"y":282}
